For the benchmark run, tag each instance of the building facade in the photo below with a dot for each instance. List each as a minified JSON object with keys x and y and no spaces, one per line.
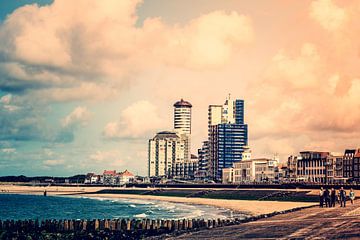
{"x":169,"y":152}
{"x":203,"y":161}
{"x":351,"y":165}
{"x":339,"y":169}
{"x":292,"y":168}
{"x":165,"y":151}
{"x":332,"y":166}
{"x":260,"y":170}
{"x":231,"y":140}
{"x":356,"y":167}
{"x":182,"y":124}
{"x":348,"y":163}
{"x":111,"y":177}
{"x":227,"y":136}
{"x":311,"y":167}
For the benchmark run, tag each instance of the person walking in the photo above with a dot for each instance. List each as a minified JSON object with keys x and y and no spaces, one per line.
{"x":321,"y":197}
{"x":327,"y":197}
{"x":342,"y":197}
{"x":332,"y":197}
{"x":352,"y":195}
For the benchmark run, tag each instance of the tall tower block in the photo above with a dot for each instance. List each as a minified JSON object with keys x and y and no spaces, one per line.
{"x":182,"y":123}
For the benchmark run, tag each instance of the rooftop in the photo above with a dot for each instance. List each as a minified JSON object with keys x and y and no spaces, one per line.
{"x":109,"y":172}
{"x":182,"y":103}
{"x":166,"y":134}
{"x":127,"y":173}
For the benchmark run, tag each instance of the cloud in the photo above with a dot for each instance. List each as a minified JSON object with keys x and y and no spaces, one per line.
{"x":23,"y":122}
{"x":53,"y":162}
{"x":79,"y":116}
{"x":302,"y":102}
{"x":330,"y":16}
{"x":6,"y":99}
{"x":8,"y":150}
{"x":107,"y":158}
{"x":60,"y":55}
{"x":136,"y":121}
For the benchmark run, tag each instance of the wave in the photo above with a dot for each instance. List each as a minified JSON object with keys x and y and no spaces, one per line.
{"x":169,"y":210}
{"x":141,"y":215}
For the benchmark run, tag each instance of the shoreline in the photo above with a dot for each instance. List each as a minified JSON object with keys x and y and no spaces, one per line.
{"x":249,"y":207}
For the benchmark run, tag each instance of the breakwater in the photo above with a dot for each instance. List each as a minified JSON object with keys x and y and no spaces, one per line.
{"x":119,"y":228}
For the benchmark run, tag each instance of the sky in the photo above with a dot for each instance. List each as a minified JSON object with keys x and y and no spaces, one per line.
{"x":84,"y":84}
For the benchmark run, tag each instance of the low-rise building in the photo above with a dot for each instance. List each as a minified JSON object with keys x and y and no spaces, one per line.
{"x":126,"y":177}
{"x":348,"y":163}
{"x":281,"y":173}
{"x":351,"y":165}
{"x":109,"y":177}
{"x":312,"y":166}
{"x":339,"y":170}
{"x":356,"y":167}
{"x":292,"y":168}
{"x":331,"y":168}
{"x":253,"y":170}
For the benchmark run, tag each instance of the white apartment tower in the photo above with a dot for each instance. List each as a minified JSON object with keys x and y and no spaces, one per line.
{"x":165,"y":150}
{"x":182,"y":124}
{"x":182,"y":117}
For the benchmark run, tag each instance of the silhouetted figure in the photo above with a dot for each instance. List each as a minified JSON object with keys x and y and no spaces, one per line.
{"x":327,"y":197}
{"x":332,"y":197}
{"x":321,"y":197}
{"x":45,"y":193}
{"x":342,"y":197}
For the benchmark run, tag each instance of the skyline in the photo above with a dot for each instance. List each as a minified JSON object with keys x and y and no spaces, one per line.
{"x":75,"y":84}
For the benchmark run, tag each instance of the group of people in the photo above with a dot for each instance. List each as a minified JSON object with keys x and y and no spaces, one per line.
{"x":330,"y":197}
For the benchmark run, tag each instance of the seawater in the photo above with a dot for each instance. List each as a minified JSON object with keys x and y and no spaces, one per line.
{"x":15,"y":206}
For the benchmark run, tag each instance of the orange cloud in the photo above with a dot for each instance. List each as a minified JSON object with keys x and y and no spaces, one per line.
{"x":84,"y":43}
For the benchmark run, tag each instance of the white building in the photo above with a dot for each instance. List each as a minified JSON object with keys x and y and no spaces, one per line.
{"x":182,"y":124}
{"x":165,"y":150}
{"x":126,"y":177}
{"x":251,"y":170}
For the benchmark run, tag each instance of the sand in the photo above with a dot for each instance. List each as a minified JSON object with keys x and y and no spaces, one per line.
{"x":249,"y":207}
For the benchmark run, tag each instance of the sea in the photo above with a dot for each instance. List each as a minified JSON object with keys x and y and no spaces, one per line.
{"x":20,"y":207}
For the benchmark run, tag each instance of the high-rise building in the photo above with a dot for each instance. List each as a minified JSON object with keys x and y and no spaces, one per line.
{"x":182,"y":124}
{"x":230,"y":142}
{"x":169,"y":151}
{"x":166,"y":150}
{"x":182,"y":117}
{"x":227,"y":136}
{"x":203,"y":159}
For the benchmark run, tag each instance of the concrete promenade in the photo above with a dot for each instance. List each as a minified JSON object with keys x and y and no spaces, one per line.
{"x":310,"y":223}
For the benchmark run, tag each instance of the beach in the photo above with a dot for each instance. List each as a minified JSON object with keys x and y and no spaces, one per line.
{"x":251,"y":207}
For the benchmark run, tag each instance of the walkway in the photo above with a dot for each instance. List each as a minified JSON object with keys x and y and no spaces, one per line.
{"x":310,"y":223}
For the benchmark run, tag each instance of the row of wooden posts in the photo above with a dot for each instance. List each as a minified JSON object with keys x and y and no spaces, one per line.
{"x":114,"y":225}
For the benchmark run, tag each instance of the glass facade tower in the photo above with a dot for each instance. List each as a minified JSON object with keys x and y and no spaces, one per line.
{"x":228,"y":136}
{"x":231,"y":140}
